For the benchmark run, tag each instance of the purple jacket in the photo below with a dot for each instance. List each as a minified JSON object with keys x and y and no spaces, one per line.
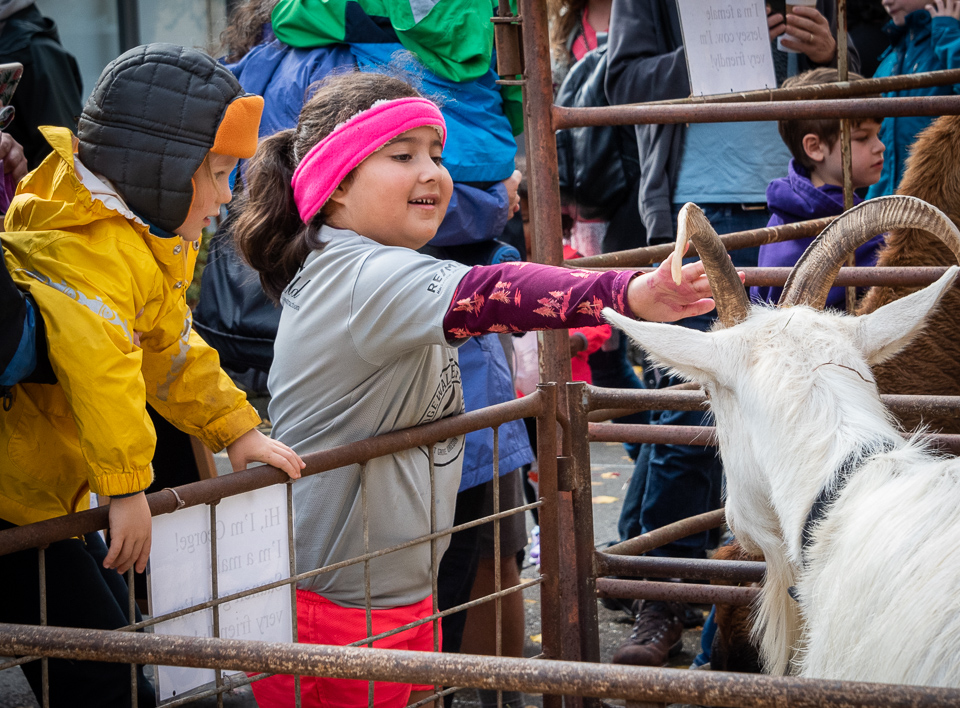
{"x":794,"y":198}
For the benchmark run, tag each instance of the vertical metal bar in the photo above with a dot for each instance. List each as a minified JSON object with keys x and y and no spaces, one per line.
{"x":507,"y":40}
{"x":128,"y":24}
{"x":498,"y":602}
{"x":846,"y":155}
{"x":434,"y":563}
{"x":44,"y":662}
{"x":543,"y":177}
{"x":368,"y":603}
{"x":550,"y":608}
{"x":132,"y":619}
{"x":292,"y":564}
{"x":583,"y":525}
{"x":215,"y":588}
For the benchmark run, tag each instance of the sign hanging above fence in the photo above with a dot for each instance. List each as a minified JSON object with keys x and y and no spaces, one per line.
{"x":253,"y":548}
{"x":727,"y":45}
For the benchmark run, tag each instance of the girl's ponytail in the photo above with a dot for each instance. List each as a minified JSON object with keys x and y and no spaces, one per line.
{"x":269,"y":233}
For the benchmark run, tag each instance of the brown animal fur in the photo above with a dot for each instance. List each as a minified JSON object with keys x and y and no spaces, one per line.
{"x":732,"y":649}
{"x":931,"y":364}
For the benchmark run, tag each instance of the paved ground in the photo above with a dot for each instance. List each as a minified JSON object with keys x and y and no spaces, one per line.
{"x":611,"y":472}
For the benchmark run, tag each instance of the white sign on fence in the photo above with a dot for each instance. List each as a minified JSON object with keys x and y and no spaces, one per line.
{"x":252,"y":549}
{"x":727,"y":45}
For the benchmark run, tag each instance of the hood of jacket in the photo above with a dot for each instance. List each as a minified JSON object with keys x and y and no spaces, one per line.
{"x":453,"y":38}
{"x":18,"y":29}
{"x":65,"y":195}
{"x":794,"y":198}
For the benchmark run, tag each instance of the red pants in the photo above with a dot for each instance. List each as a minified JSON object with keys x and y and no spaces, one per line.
{"x":320,"y":621}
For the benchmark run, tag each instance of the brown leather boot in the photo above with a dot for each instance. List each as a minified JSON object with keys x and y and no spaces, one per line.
{"x":656,"y":636}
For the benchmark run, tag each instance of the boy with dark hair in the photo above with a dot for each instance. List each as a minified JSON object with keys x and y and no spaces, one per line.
{"x":813,"y":188}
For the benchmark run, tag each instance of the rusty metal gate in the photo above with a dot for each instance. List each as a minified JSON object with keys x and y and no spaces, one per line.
{"x":573,"y":574}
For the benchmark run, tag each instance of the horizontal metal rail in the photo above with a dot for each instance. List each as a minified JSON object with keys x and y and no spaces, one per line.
{"x":638,"y":257}
{"x":636,"y":683}
{"x":677,"y":592}
{"x":851,"y":108}
{"x":706,"y":435}
{"x":206,"y":491}
{"x":646,"y":542}
{"x":859,"y":277}
{"x":687,"y":568}
{"x":839,"y":89}
{"x":661,"y":399}
{"x":856,"y":276}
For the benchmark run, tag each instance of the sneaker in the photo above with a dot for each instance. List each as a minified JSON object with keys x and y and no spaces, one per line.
{"x":656,"y":636}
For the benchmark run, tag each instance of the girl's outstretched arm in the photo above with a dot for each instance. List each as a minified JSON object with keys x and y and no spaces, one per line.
{"x":520,"y":297}
{"x":254,"y":446}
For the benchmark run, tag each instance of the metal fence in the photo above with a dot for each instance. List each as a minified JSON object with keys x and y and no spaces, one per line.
{"x":573,"y":574}
{"x":539,"y":405}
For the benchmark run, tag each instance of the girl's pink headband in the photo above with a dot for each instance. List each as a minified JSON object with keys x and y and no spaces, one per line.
{"x":350,"y":143}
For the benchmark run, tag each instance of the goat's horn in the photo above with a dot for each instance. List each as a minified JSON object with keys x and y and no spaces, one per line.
{"x":811,"y":279}
{"x":728,"y":292}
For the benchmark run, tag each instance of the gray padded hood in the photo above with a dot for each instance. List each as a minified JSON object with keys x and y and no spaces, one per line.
{"x":149,"y":124}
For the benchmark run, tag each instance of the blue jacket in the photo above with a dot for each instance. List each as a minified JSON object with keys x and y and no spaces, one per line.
{"x":283,"y":75}
{"x":921,"y":44}
{"x":794,"y":198}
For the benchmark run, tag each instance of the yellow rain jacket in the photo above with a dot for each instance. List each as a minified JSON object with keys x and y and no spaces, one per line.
{"x":113,"y":297}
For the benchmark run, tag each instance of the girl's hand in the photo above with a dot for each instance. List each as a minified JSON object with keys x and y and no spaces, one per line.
{"x":655,"y":297}
{"x":808,"y":32}
{"x":945,"y":8}
{"x":254,"y":446}
{"x":513,"y":196}
{"x":131,"y":530}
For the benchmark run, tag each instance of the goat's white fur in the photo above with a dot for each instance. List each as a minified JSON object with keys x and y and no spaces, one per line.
{"x":793,"y":397}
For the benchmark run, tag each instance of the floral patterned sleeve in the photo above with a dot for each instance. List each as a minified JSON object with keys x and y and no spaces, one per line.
{"x":524,"y":297}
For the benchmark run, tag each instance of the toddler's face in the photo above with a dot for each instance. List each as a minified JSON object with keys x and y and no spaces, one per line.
{"x":399,"y":195}
{"x":899,"y":9}
{"x":211,"y":188}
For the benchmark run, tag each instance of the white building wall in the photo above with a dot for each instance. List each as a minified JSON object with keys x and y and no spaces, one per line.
{"x":89,"y":28}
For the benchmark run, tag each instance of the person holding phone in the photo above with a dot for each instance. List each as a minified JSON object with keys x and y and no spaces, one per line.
{"x":725,"y":168}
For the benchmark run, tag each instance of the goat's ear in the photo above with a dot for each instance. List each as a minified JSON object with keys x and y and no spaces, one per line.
{"x":690,"y":353}
{"x":883,"y":333}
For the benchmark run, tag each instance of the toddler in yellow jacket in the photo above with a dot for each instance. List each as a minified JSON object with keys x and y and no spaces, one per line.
{"x":104,"y":236}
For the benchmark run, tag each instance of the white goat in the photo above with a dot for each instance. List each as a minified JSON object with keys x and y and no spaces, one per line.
{"x":876,"y":570}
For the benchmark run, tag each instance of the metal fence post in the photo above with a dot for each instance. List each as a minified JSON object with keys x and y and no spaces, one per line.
{"x":550,"y":604}
{"x":583,"y":521}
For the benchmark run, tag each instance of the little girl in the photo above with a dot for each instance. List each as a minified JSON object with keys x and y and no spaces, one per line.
{"x":104,"y":236}
{"x":367,"y":344}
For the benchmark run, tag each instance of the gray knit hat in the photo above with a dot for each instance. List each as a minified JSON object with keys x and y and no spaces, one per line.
{"x":150,"y":122}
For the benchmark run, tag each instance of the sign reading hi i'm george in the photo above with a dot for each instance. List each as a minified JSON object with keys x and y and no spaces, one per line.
{"x":253,"y":548}
{"x":727,"y":45}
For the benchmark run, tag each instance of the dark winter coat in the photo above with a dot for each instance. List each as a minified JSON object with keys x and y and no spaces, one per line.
{"x":646,"y":62}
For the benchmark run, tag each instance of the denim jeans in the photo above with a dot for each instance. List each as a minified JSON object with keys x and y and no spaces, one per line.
{"x":672,"y":482}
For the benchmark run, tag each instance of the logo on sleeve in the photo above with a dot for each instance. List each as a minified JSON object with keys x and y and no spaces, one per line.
{"x":435,"y":286}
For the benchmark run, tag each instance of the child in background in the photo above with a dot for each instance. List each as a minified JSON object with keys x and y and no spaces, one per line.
{"x":924,"y":37}
{"x":813,"y":188}
{"x":104,"y":236}
{"x":367,"y":344}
